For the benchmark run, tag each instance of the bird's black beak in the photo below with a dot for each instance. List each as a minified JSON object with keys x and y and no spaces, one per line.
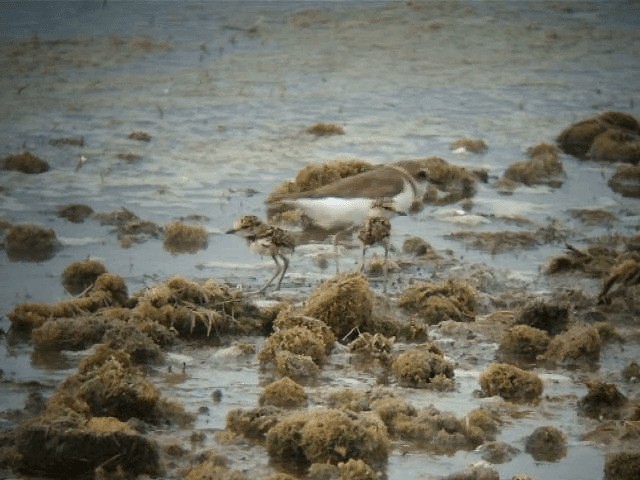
{"x":231,"y":231}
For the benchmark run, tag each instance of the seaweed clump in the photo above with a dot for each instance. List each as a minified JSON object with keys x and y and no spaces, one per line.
{"x":298,"y":366}
{"x":435,"y":303}
{"x":424,"y":366}
{"x":253,"y":423}
{"x":439,"y":432}
{"x":449,"y":183}
{"x":325,"y":129}
{"x":476,"y":472}
{"x":299,"y":345}
{"x":542,"y":168}
{"x":603,"y":400}
{"x":523,"y":342}
{"x":594,"y":261}
{"x":75,"y":212}
{"x":420,"y":248}
{"x":73,"y":141}
{"x":511,"y":383}
{"x":546,"y":444}
{"x":284,"y":393}
{"x":25,"y":162}
{"x":108,"y":383}
{"x":204,"y":310}
{"x":344,"y":303}
{"x":593,"y":216}
{"x":350,"y":399}
{"x":288,"y":318}
{"x":30,"y":242}
{"x":328,"y":436}
{"x":70,"y":333}
{"x":297,"y":340}
{"x":176,"y":307}
{"x":631,"y":372}
{"x":552,"y":317}
{"x":213,"y":466}
{"x":69,"y":447}
{"x":82,"y":430}
{"x":78,"y":276}
{"x":473,"y":145}
{"x":356,"y":470}
{"x":180,"y":237}
{"x":498,"y":452}
{"x":140,"y":136}
{"x":442,"y":432}
{"x":498,"y":242}
{"x":622,"y":466}
{"x":616,"y":146}
{"x":623,"y":275}
{"x":626,"y":181}
{"x":372,"y":347}
{"x":579,"y":344}
{"x":579,"y":138}
{"x":109,"y":290}
{"x":130,"y":228}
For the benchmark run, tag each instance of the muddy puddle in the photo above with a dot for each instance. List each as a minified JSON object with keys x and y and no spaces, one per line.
{"x":135,"y":133}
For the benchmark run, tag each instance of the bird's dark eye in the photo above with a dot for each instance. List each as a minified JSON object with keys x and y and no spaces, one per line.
{"x":423,"y":174}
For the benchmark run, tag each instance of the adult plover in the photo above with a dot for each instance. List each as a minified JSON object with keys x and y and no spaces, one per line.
{"x":347,"y":202}
{"x":266,"y":240}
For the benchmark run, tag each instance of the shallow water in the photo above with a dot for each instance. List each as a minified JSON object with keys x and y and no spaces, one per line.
{"x":226,"y":94}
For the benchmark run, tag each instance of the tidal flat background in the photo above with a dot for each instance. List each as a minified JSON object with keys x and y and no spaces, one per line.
{"x":226,"y":91}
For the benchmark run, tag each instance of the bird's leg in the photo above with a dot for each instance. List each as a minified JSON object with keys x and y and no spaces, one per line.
{"x":285,"y":262}
{"x":364,"y":249}
{"x":346,"y":231}
{"x":385,"y":267}
{"x":278,"y":269}
{"x":335,"y":251}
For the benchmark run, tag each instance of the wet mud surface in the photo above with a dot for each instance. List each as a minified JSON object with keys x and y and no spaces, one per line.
{"x":508,"y":340}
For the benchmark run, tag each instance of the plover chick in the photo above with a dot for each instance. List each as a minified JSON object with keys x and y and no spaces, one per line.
{"x":376,"y":230}
{"x":347,"y":202}
{"x":266,"y":240}
{"x":380,"y":207}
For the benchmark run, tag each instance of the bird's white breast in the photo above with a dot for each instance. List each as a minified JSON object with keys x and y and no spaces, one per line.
{"x":332,"y":213}
{"x":405,"y":198}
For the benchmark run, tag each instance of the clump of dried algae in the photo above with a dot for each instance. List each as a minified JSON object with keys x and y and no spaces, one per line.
{"x":436,"y":302}
{"x":423,"y":366}
{"x":511,"y":383}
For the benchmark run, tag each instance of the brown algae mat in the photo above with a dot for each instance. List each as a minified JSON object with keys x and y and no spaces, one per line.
{"x":96,"y":411}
